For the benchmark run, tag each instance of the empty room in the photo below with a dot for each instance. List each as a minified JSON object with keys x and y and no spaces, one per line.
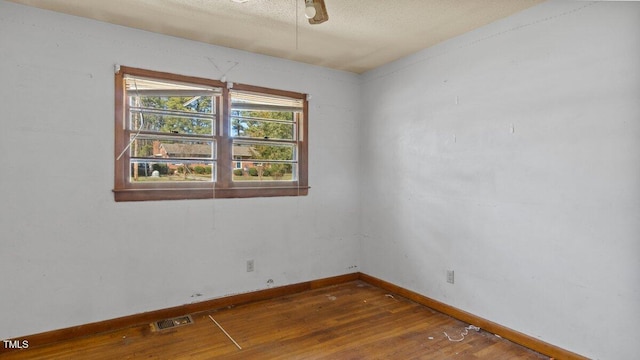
{"x":319,"y":179}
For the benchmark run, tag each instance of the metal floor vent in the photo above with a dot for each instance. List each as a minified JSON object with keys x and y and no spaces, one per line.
{"x":173,"y":322}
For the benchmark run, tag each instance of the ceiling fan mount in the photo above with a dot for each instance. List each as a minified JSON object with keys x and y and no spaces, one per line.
{"x":315,"y":11}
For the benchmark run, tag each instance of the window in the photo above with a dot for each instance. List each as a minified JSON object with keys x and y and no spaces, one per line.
{"x":179,"y":137}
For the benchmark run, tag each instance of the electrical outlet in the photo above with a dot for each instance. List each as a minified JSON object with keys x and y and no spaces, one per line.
{"x":450,"y":278}
{"x":249,"y":265}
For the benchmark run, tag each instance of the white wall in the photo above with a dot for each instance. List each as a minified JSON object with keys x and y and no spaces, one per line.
{"x":511,"y":155}
{"x":70,"y":255}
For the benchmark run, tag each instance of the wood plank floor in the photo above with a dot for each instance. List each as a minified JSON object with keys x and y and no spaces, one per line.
{"x":349,"y":321}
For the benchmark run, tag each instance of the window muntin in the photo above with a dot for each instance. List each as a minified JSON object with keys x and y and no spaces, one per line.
{"x":180,"y":130}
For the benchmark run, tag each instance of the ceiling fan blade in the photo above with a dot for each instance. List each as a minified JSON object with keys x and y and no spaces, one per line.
{"x":321,"y":12}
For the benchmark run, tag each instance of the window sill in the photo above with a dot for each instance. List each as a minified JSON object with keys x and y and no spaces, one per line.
{"x":122,"y":195}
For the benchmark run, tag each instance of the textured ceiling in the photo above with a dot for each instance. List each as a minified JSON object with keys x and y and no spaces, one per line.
{"x":360,"y":34}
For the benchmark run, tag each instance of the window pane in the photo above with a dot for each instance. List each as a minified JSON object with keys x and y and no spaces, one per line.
{"x":171,"y":171}
{"x":170,"y":123}
{"x":263,"y":125}
{"x":144,"y":146}
{"x":190,"y":104}
{"x":264,"y":151}
{"x":265,"y":171}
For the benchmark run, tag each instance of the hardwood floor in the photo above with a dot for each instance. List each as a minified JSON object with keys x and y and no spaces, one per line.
{"x":353,"y":320}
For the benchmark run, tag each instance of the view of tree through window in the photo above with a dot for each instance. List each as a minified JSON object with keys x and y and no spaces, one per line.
{"x":265,"y":129}
{"x":182,"y":137}
{"x":170,"y":121}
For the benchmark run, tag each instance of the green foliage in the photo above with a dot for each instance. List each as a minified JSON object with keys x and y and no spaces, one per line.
{"x":145,"y":150}
{"x":242,"y":126}
{"x":172,"y":123}
{"x":253,"y":127}
{"x":280,"y":169}
{"x":266,"y":130}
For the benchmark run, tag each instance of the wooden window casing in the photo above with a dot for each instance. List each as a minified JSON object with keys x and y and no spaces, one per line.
{"x":223,"y":186}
